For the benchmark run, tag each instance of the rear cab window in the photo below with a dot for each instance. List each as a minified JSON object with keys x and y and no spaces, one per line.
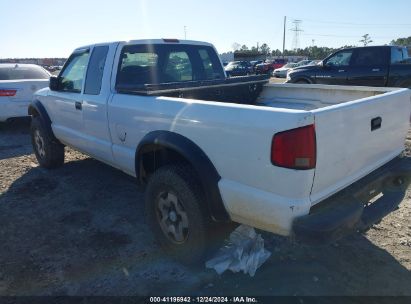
{"x":19,"y":72}
{"x":95,"y":70}
{"x":143,"y":64}
{"x":399,"y":55}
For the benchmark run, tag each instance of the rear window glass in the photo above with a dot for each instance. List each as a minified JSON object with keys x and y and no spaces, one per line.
{"x":163,"y":63}
{"x":23,"y":72}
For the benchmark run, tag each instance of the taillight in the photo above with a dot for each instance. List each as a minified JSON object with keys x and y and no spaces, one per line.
{"x":7,"y":92}
{"x":294,"y":149}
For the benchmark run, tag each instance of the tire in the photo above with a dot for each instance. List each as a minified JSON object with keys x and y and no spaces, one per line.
{"x":49,"y":153}
{"x":302,"y":81}
{"x":174,"y":199}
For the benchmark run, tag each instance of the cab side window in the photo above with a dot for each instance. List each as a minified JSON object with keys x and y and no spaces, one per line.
{"x":95,"y":70}
{"x":340,"y":59}
{"x":373,"y":56}
{"x":72,"y":77}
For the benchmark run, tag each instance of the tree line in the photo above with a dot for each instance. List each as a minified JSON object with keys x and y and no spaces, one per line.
{"x":312,"y":52}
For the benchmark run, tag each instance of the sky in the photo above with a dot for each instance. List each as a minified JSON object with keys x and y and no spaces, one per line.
{"x":50,"y":28}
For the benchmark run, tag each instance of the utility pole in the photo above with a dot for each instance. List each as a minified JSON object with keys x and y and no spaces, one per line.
{"x":285,"y":22}
{"x":185,"y":32}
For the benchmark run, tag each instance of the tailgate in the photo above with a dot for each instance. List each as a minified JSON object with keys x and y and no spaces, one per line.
{"x":356,"y":137}
{"x":24,"y":88}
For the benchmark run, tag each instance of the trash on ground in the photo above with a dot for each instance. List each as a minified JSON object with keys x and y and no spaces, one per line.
{"x":244,"y":252}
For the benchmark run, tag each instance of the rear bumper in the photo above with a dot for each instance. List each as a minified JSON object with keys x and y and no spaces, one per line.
{"x":350,"y":210}
{"x":11,"y":109}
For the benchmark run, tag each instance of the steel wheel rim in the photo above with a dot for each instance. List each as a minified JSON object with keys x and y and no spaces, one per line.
{"x":172,"y":217}
{"x":39,"y":142}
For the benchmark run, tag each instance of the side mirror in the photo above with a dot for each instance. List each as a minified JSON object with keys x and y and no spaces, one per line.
{"x":54,"y":83}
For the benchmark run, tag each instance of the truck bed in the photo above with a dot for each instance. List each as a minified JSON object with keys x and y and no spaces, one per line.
{"x":310,"y":97}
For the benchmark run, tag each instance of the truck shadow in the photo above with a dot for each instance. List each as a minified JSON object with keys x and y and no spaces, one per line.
{"x":15,"y":138}
{"x":80,"y":230}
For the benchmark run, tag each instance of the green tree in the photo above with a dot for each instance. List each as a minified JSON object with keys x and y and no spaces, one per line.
{"x":402,"y":41}
{"x":366,"y":39}
{"x":264,"y":48}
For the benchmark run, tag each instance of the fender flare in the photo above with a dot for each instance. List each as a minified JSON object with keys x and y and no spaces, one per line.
{"x":403,"y":83}
{"x":37,"y":107}
{"x":305,"y":78}
{"x":207,"y":173}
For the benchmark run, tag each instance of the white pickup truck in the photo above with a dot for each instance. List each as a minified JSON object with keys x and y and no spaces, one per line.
{"x":309,"y":161}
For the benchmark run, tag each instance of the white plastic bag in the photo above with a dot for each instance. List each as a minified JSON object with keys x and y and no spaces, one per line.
{"x":244,"y":252}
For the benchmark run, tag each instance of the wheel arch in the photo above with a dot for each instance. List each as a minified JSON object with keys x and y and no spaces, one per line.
{"x":159,"y":148}
{"x":36,"y":109}
{"x":303,"y":78}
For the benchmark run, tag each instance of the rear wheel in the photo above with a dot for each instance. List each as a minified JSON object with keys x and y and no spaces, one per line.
{"x":49,"y":153}
{"x":176,"y":213}
{"x":302,"y":81}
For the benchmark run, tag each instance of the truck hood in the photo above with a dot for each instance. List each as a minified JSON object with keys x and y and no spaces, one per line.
{"x":307,"y":68}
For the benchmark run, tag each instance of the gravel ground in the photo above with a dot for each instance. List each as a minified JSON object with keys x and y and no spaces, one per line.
{"x":80,"y":230}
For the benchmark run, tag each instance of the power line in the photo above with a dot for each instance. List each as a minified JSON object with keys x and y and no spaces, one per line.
{"x":355,"y":24}
{"x":346,"y":36}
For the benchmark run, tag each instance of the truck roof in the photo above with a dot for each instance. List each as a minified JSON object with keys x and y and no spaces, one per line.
{"x":151,"y":41}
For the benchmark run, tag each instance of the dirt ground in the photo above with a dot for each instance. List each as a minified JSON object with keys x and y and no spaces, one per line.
{"x":80,"y":230}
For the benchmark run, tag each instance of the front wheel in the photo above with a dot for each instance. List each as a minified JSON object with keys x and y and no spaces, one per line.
{"x":49,"y":153}
{"x":176,"y":213}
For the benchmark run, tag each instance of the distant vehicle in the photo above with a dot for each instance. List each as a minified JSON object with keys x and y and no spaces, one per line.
{"x":269,"y":66}
{"x":379,"y":66}
{"x":255,"y":62}
{"x":282,"y":72}
{"x":314,"y":62}
{"x":303,"y":62}
{"x":238,"y":68}
{"x":18,"y":82}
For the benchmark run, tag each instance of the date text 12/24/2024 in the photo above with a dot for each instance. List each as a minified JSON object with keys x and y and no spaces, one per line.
{"x":203,"y":300}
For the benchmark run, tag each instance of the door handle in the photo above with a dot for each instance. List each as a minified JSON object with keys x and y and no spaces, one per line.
{"x":341,"y":71}
{"x":78,"y":105}
{"x":376,"y":70}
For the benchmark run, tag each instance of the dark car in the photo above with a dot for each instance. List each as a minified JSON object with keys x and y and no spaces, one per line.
{"x":238,"y":68}
{"x":364,"y":66}
{"x":269,"y":66}
{"x":255,"y":62}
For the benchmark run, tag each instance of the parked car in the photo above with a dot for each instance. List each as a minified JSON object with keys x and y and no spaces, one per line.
{"x":302,"y":161}
{"x":364,"y":66}
{"x":239,"y":68}
{"x":18,"y":82}
{"x":269,"y":66}
{"x":255,"y":62}
{"x":282,"y":72}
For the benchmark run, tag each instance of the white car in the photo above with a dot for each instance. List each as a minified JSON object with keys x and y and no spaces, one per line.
{"x":282,"y":72}
{"x":309,"y":161}
{"x":18,"y":82}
